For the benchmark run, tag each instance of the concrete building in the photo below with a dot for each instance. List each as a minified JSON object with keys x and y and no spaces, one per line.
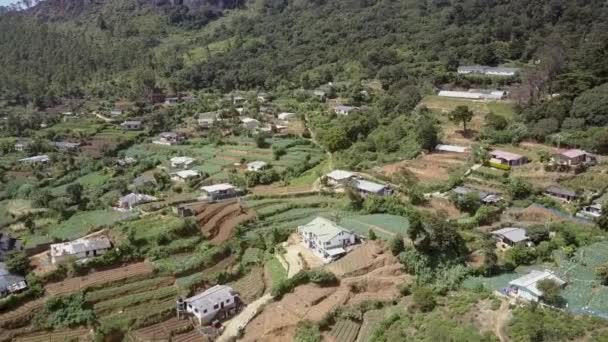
{"x":257,"y":166}
{"x":79,"y":249}
{"x":217,"y":302}
{"x":325,"y":238}
{"x":184,"y":175}
{"x":219,"y":191}
{"x":128,"y":202}
{"x":181,"y":162}
{"x":526,"y":287}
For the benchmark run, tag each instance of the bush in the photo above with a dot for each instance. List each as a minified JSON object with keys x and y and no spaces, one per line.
{"x":65,"y":311}
{"x":307,"y":331}
{"x":397,"y":245}
{"x":320,"y":277}
{"x":424,"y":299}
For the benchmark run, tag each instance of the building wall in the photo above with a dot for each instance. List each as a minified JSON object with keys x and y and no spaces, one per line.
{"x":55,"y":259}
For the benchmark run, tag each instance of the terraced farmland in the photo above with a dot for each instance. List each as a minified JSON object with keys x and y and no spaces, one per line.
{"x":345,"y":331}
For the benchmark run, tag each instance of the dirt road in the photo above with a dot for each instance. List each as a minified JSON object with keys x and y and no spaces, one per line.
{"x":240,"y":321}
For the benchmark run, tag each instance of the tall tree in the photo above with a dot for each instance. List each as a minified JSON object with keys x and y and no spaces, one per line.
{"x":462,"y":114}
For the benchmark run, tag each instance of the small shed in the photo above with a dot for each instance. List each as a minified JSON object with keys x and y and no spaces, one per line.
{"x":511,"y":236}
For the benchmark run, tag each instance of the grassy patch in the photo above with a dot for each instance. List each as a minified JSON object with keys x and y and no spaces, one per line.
{"x":277,"y":272}
{"x":85,"y":222}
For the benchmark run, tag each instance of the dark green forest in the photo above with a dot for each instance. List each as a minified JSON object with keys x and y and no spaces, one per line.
{"x":127,"y":48}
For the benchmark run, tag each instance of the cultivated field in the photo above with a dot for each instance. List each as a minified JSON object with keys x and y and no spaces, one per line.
{"x":78,"y":283}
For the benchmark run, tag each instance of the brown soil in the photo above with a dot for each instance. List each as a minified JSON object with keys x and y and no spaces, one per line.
{"x":365,"y":273}
{"x":219,"y":219}
{"x":430,"y":167}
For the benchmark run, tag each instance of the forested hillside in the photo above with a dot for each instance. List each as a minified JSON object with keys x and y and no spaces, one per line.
{"x":124,"y":47}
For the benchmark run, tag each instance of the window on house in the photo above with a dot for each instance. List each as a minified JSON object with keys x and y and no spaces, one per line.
{"x":196,"y":310}
{"x":216,"y":306}
{"x":205,"y":311}
{"x":227,"y":300}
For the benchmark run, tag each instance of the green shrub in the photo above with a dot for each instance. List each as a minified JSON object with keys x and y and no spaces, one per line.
{"x":320,"y":277}
{"x":424,"y":299}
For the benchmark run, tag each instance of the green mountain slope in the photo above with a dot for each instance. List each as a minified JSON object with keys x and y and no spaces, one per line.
{"x":125,"y":48}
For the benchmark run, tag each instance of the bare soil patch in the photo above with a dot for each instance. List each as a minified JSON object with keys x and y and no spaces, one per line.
{"x":432,"y":167}
{"x":441,"y":205}
{"x":98,"y":278}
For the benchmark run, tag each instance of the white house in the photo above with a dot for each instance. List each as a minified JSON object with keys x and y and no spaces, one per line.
{"x":41,"y":159}
{"x":325,"y":238}
{"x":526,"y":287}
{"x":129,"y":201}
{"x":181,"y":162}
{"x":9,"y":282}
{"x":250,"y":123}
{"x":344,"y":110}
{"x":256,"y":166}
{"x":216,"y":302}
{"x":285,"y":116}
{"x":79,"y":249}
{"x":184,"y":175}
{"x":365,"y":188}
{"x":339,"y":177}
{"x":219,"y":191}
